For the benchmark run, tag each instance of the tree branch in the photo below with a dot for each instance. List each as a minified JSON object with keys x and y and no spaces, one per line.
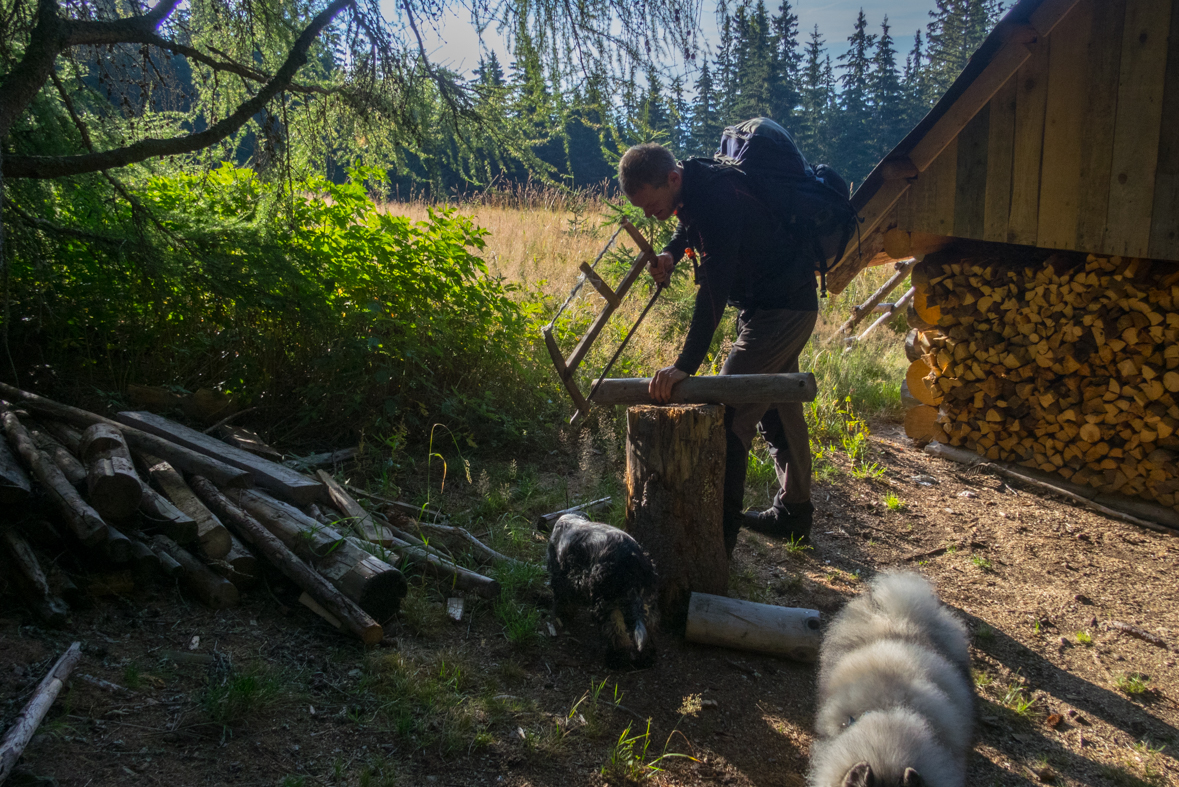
{"x":60,"y":166}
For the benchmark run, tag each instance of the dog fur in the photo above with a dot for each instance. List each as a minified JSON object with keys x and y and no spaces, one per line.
{"x":603,"y":568}
{"x":896,"y":700}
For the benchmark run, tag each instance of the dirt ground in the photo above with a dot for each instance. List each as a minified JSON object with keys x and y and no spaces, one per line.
{"x":276,"y":697}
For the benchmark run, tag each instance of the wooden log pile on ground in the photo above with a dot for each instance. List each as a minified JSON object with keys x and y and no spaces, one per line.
{"x":119,"y":507}
{"x":1065,"y":363}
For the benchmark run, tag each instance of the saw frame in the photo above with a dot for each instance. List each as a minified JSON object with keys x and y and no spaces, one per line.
{"x":566,"y":367}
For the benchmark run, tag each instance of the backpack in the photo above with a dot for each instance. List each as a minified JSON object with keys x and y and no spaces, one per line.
{"x":813,"y":203}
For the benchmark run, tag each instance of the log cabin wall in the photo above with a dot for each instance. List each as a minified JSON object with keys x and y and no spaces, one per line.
{"x":1078,"y":150}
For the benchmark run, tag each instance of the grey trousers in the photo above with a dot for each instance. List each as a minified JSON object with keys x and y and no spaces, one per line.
{"x":769,"y":341}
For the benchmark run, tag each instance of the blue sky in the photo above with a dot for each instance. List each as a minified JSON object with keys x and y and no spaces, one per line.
{"x":455,"y":44}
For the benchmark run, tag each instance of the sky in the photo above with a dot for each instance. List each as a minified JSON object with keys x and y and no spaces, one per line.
{"x":455,"y":44}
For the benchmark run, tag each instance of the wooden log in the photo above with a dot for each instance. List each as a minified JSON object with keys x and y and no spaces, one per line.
{"x":545,"y":522}
{"x":67,"y":435}
{"x":440,"y":568}
{"x":355,"y":619}
{"x":282,"y":481}
{"x":675,"y":459}
{"x":921,"y":424}
{"x":14,"y":482}
{"x":117,"y":547}
{"x":915,"y":320}
{"x":211,"y":590}
{"x":729,"y":389}
{"x":159,"y":514}
{"x":34,"y":586}
{"x":112,"y":485}
{"x":373,"y":584}
{"x":247,"y":440}
{"x":417,"y":512}
{"x":908,"y":401}
{"x":746,"y":625}
{"x":921,"y":386}
{"x":22,"y":730}
{"x":69,"y":464}
{"x":182,"y":458}
{"x":913,"y":349}
{"x":903,"y":269}
{"x":901,"y":303}
{"x":238,"y":565}
{"x":144,"y":561}
{"x":83,"y":521}
{"x":213,"y":539}
{"x":168,"y":564}
{"x":308,"y":463}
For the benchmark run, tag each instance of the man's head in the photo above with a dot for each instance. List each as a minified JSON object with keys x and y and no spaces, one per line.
{"x":651,"y":179}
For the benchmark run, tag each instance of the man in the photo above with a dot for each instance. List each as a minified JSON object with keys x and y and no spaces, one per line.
{"x":747,"y":260}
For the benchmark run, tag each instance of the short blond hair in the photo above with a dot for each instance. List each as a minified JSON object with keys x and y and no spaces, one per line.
{"x":644,"y":165}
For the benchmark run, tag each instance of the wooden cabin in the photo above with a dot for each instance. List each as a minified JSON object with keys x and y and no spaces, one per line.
{"x":1041,"y":196}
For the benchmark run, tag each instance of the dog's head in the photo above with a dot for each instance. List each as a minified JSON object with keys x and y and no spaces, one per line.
{"x":861,"y":775}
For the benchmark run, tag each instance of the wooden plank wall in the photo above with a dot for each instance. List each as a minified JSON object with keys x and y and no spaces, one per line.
{"x":1079,"y":150}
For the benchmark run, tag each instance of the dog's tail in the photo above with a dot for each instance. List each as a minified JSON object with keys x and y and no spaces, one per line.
{"x":640,"y":614}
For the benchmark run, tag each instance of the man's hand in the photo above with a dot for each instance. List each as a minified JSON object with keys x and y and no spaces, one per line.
{"x":661,"y":268}
{"x":664,"y":380}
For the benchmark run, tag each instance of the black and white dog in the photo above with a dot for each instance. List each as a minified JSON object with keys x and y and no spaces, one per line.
{"x":896,"y":700}
{"x":603,"y":568}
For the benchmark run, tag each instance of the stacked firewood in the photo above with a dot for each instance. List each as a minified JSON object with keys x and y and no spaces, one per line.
{"x":141,"y":497}
{"x":1068,"y":364}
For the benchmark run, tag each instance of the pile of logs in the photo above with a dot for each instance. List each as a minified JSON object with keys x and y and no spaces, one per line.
{"x":140,"y":497}
{"x":1064,"y":363}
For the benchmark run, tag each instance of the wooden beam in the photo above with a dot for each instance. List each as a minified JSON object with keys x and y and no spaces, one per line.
{"x":1050,"y":13}
{"x":898,"y":169}
{"x":283,"y":481}
{"x":728,"y":388}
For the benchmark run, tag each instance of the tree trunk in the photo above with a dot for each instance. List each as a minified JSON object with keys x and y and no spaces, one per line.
{"x":213,"y":540}
{"x":746,"y":625}
{"x":14,"y":482}
{"x":238,"y":565}
{"x":355,"y":619}
{"x":159,"y":514}
{"x":675,"y":466}
{"x":31,"y":579}
{"x":73,"y":469}
{"x":212,"y":590}
{"x":21,"y":732}
{"x":83,"y":521}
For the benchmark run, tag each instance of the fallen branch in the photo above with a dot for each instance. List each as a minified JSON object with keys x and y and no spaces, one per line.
{"x":350,"y":614}
{"x":419,"y":511}
{"x":1141,"y":634}
{"x":31,"y":580}
{"x":22,"y":730}
{"x":308,"y":463}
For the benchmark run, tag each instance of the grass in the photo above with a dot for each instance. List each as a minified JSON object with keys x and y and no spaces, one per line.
{"x":1084,"y":638}
{"x":231,"y":697}
{"x":893,"y":502}
{"x":1018,"y":701}
{"x":515,"y":606}
{"x":984,"y":633}
{"x":981,"y":563}
{"x":1132,"y":683}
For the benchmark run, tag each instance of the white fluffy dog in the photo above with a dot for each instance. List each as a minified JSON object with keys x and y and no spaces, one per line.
{"x":896,"y":701}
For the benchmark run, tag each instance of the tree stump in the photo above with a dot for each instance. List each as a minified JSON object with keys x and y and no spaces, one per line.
{"x":675,"y":468}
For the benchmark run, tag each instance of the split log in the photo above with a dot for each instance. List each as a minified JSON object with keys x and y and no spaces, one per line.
{"x":112,"y":485}
{"x":355,"y":619}
{"x":213,"y":591}
{"x":213,"y":540}
{"x":83,"y":521}
{"x":159,"y":514}
{"x":183,"y":458}
{"x":921,"y":382}
{"x":746,"y":625}
{"x":34,"y":586}
{"x":913,"y":350}
{"x":22,"y":730}
{"x":675,"y":459}
{"x":14,"y":483}
{"x":727,"y":388}
{"x":373,"y":584}
{"x":73,"y":469}
{"x":908,"y":401}
{"x":282,"y":481}
{"x":921,"y":424}
{"x":545,"y":522}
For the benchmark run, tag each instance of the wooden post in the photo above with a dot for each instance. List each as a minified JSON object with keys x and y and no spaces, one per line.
{"x":675,"y":466}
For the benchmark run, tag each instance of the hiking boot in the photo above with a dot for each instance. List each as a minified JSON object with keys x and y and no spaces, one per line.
{"x":792,"y":522}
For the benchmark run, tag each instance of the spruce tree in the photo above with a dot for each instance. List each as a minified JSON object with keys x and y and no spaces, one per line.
{"x":914,"y":90}
{"x":855,"y":141}
{"x":787,"y":65}
{"x":888,"y":116}
{"x":490,"y":73}
{"x":726,"y":64}
{"x":754,"y":62}
{"x":705,"y":126}
{"x":817,"y":89}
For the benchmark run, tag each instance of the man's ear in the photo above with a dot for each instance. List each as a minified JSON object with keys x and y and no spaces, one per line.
{"x":675,"y":179}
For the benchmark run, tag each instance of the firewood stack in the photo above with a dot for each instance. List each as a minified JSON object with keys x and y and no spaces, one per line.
{"x":130,"y":500}
{"x":1067,"y":364}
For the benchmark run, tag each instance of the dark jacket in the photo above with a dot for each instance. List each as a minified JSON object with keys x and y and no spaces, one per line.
{"x":745,"y":258}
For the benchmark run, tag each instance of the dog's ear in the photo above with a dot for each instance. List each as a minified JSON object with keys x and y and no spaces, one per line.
{"x":912,"y":779}
{"x":860,"y":776}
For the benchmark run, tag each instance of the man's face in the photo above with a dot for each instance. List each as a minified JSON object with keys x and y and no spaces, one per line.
{"x":659,"y":202}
